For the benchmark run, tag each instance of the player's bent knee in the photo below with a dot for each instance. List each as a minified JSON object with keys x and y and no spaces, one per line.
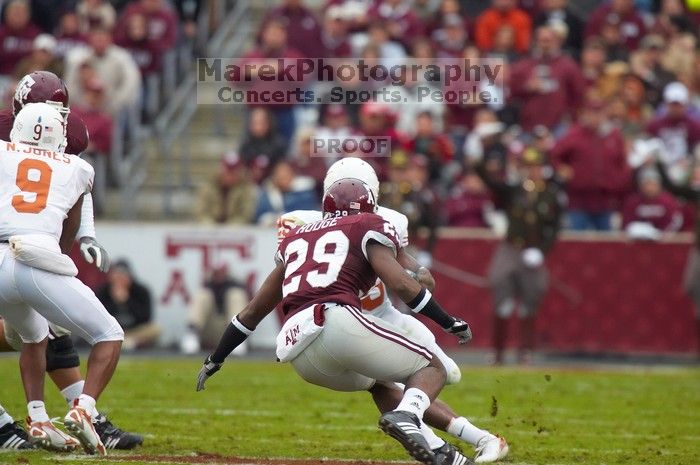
{"x":113,"y":334}
{"x":454,"y":374}
{"x":60,"y":354}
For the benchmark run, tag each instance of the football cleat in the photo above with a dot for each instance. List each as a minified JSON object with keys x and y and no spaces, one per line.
{"x":113,"y":437}
{"x":490,"y":449}
{"x":14,"y":437}
{"x":405,"y":428}
{"x":450,"y":455}
{"x":79,"y":423}
{"x":45,"y":435}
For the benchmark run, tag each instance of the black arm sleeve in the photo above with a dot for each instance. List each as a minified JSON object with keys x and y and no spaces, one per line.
{"x":425,"y":304}
{"x":232,"y":338}
{"x":680,"y":191}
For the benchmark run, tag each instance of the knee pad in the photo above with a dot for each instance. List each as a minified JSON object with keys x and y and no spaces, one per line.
{"x":61,"y":353}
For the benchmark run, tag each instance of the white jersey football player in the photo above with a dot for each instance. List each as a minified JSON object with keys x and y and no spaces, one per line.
{"x":489,"y":447}
{"x":41,"y":192}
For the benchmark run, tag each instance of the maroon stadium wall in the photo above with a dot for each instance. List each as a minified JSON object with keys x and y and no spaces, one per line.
{"x":631,"y":296}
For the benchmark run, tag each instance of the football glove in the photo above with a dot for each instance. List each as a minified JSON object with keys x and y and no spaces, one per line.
{"x":207,"y":371}
{"x":93,"y":252}
{"x":461,"y":329}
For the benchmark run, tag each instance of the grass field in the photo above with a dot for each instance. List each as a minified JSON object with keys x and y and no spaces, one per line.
{"x":263,"y":410}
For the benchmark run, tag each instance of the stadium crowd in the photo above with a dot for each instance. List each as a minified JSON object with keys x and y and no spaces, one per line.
{"x":588,"y":84}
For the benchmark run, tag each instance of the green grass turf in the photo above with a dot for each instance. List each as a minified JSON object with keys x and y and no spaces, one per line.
{"x":550,"y":416}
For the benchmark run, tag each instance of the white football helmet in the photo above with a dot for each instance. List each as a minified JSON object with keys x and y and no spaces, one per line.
{"x":352,"y":168}
{"x":40,"y":125}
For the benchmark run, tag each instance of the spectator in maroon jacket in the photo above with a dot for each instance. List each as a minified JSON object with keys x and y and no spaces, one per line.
{"x":161,"y":24}
{"x":135,"y":41}
{"x":679,"y":131}
{"x":17,"y":35}
{"x":97,"y":120}
{"x":548,"y":84}
{"x":273,"y":46}
{"x":334,"y":34}
{"x":591,"y":159}
{"x":652,"y":205}
{"x":303,"y":30}
{"x":68,"y":34}
{"x":401,"y":22}
{"x":468,"y":203}
{"x":451,"y":38}
{"x":623,"y":14}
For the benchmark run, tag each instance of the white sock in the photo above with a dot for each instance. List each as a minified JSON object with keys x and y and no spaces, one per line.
{"x":72,"y":392}
{"x":37,"y":411}
{"x":433,"y":440}
{"x":414,"y":401}
{"x":461,"y":428}
{"x":88,"y":403}
{"x":5,"y":417}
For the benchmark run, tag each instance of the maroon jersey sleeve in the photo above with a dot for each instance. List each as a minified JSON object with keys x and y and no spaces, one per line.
{"x":326,"y":262}
{"x":76,"y":135}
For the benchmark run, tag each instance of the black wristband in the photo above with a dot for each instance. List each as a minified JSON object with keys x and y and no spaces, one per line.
{"x":425,"y":304}
{"x":234,"y":336}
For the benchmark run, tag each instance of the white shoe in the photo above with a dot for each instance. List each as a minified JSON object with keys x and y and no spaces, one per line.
{"x":45,"y":435}
{"x":189,"y":344}
{"x":78,"y":422}
{"x":490,"y":449}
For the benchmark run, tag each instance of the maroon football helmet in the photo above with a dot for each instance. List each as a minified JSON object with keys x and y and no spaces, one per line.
{"x":41,"y":86}
{"x":348,"y":197}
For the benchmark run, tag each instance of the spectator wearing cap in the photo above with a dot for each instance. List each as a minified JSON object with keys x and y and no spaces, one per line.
{"x":503,"y":13}
{"x":468,"y":202}
{"x":517,"y":274}
{"x":230,"y":197}
{"x":114,"y":66}
{"x":220,"y":298}
{"x":548,"y":84}
{"x":650,"y":210}
{"x":17,"y":35}
{"x":284,"y":191}
{"x":451,"y":38}
{"x":95,"y":13}
{"x":591,"y":158}
{"x":42,"y":58}
{"x":334,"y":34}
{"x":621,"y":14}
{"x":429,"y":141}
{"x":303,"y":29}
{"x":262,"y":139}
{"x":647,"y":64}
{"x":161,"y":24}
{"x":129,"y":301}
{"x":554,"y":11}
{"x":68,"y":34}
{"x":401,"y":22}
{"x":678,"y":130}
{"x":273,"y":47}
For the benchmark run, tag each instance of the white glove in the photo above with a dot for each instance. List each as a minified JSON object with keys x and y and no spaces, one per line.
{"x":93,"y":252}
{"x":461,"y":329}
{"x":532,"y":257}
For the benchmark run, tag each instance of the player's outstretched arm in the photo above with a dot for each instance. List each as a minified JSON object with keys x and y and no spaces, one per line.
{"x":243,"y":325}
{"x":413,"y":294}
{"x":70,"y":226}
{"x":90,"y":249}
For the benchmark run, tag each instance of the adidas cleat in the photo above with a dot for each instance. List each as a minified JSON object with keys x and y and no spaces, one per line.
{"x":79,"y":423}
{"x":45,"y":435}
{"x":14,"y":437}
{"x":490,"y":449}
{"x":405,"y":428}
{"x":113,"y":437}
{"x":450,"y":455}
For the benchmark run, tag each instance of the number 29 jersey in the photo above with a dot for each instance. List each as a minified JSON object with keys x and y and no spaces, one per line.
{"x":38,"y":187}
{"x":326,"y":261}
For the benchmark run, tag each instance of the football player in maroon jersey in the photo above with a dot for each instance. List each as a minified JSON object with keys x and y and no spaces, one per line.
{"x":323,"y":267}
{"x":62,"y":359}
